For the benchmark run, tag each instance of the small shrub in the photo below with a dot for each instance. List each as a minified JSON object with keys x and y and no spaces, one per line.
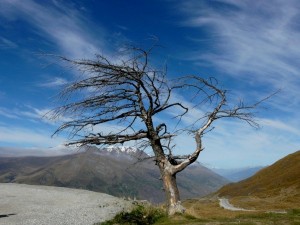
{"x":141,"y":215}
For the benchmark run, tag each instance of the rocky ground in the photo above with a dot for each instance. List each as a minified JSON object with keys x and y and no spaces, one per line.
{"x":44,"y":205}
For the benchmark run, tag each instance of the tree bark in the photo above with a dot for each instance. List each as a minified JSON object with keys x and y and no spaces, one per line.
{"x":171,"y":191}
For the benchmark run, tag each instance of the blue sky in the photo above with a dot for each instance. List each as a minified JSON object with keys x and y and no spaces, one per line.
{"x":251,"y":47}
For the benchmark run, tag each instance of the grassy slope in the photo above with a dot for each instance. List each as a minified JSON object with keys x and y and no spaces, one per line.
{"x":211,"y":215}
{"x":277,"y":186}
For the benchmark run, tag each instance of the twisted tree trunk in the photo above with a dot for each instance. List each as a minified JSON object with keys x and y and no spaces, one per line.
{"x":168,"y":175}
{"x":168,"y":172}
{"x":172,"y":193}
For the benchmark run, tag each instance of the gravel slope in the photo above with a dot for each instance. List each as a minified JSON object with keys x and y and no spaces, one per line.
{"x":44,"y":205}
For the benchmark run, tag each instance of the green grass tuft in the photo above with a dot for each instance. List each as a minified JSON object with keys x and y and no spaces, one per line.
{"x":141,"y":215}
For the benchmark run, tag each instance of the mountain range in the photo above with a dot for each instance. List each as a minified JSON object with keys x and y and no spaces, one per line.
{"x":115,"y":170}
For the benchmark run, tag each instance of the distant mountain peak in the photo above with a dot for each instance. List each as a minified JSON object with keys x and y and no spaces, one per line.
{"x":121,"y":149}
{"x":118,"y":152}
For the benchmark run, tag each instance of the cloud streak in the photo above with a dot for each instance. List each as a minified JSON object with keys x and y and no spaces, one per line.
{"x":27,"y":137}
{"x":7,"y":44}
{"x":27,"y":112}
{"x":54,"y":82}
{"x":234,"y":144}
{"x":62,"y":24}
{"x":254,"y":41}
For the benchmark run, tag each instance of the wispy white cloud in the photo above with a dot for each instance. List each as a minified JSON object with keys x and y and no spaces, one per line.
{"x":283,"y":127}
{"x":7,"y":44}
{"x":121,"y":27}
{"x":53,"y":82}
{"x":29,"y":113}
{"x":34,"y":113}
{"x":20,"y":136}
{"x":233,"y":144}
{"x":254,"y":41}
{"x":8,"y":113}
{"x":64,"y":25}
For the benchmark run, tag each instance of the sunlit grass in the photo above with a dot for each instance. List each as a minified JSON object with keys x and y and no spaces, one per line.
{"x":206,"y":212}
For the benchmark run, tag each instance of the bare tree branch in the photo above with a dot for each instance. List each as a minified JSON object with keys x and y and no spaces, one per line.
{"x":133,"y":93}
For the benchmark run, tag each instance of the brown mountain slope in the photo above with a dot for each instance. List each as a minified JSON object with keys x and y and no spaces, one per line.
{"x":106,"y":172}
{"x":279,"y":182}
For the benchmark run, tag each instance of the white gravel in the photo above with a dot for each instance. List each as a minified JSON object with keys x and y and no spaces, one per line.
{"x":224,"y":203}
{"x":44,"y":205}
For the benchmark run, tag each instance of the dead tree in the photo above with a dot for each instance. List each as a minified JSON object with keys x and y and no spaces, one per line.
{"x":134,"y":94}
